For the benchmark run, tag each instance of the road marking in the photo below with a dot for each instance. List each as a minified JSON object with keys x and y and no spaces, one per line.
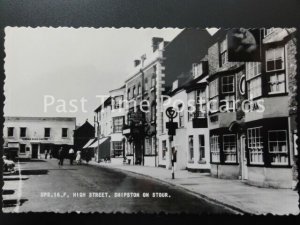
{"x":17,"y":208}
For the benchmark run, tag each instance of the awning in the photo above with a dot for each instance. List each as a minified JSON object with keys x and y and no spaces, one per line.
{"x":95,"y":144}
{"x":91,"y":141}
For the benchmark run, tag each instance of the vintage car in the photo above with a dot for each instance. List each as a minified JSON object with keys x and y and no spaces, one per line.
{"x":8,"y":165}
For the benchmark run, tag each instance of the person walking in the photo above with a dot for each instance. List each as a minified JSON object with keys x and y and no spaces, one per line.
{"x":61,"y":157}
{"x":78,"y":157}
{"x":71,"y":156}
{"x":46,"y":153}
{"x":50,"y":154}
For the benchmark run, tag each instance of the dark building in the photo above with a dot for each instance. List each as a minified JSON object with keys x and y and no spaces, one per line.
{"x":82,"y":135}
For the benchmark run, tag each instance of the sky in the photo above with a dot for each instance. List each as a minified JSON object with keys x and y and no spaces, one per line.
{"x":53,"y":71}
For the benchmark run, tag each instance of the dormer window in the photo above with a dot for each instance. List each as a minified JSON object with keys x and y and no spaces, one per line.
{"x":197,"y":69}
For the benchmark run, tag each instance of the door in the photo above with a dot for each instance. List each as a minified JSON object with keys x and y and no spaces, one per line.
{"x":244,"y":158}
{"x":34,"y":151}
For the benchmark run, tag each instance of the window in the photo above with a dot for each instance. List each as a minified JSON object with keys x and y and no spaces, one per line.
{"x":278,"y":148}
{"x":200,"y":103}
{"x":229,"y":148}
{"x":118,"y":124}
{"x":201,"y":148}
{"x":223,"y":52}
{"x":197,"y":69}
{"x":134,"y":91}
{"x":118,"y":148}
{"x":23,"y":132}
{"x":191,"y":148}
{"x":275,"y":59}
{"x":181,"y":116}
{"x":118,"y":102}
{"x":10,"y":131}
{"x":22,"y":148}
{"x":253,"y":69}
{"x":255,"y":88}
{"x":215,"y":148}
{"x":268,"y":31}
{"x":153,"y":139}
{"x":47,"y":132}
{"x":128,"y":93}
{"x":228,"y":84}
{"x":153,"y":81}
{"x":255,"y":145}
{"x":277,"y":83}
{"x":153,"y":112}
{"x":139,"y":89}
{"x":164,"y":149}
{"x":64,"y":132}
{"x":146,"y":84}
{"x":213,"y":95}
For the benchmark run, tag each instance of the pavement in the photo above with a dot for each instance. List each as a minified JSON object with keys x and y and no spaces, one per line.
{"x":88,"y":188}
{"x":233,"y":194}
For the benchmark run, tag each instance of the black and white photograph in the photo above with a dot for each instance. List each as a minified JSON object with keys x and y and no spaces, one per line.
{"x":173,"y":120}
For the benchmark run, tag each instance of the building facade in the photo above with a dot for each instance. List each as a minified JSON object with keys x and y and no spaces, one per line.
{"x":29,"y":137}
{"x":253,"y":141}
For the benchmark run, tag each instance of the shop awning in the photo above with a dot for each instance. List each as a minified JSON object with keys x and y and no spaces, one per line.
{"x":95,"y":144}
{"x":91,"y":141}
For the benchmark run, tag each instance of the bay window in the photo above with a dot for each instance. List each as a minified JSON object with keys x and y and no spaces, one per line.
{"x":215,"y":149}
{"x":278,"y":149}
{"x":277,"y":83}
{"x":255,"y":145}
{"x":229,"y":148}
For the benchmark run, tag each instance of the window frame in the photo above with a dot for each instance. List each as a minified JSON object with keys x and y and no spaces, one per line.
{"x":8,"y":131}
{"x":260,"y":147}
{"x":225,"y":152}
{"x":119,"y":126}
{"x":223,"y":53}
{"x":62,"y":132}
{"x":215,"y":148}
{"x":120,"y":143}
{"x":201,"y":147}
{"x":287,"y":148}
{"x":21,"y":132}
{"x":283,"y":60}
{"x":191,"y":149}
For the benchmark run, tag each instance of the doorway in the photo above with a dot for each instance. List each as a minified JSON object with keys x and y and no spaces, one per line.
{"x":34,"y":151}
{"x":244,"y":168}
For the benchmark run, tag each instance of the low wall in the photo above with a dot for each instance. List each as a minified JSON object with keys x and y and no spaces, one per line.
{"x":225,"y":171}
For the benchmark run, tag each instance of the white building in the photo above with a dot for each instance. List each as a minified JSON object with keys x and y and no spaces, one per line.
{"x":30,"y":136}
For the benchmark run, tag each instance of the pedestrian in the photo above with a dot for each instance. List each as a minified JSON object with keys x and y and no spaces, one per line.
{"x":50,"y":153}
{"x":71,"y":156}
{"x":46,"y":153}
{"x":61,"y":156}
{"x":78,"y":157}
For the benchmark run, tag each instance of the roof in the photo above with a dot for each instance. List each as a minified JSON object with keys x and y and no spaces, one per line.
{"x":40,"y":118}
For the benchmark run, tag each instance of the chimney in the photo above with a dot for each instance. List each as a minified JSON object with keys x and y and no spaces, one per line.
{"x":155,"y":43}
{"x":137,"y":62}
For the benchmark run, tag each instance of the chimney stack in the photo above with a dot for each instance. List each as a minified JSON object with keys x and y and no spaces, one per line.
{"x":137,"y":62}
{"x":155,"y":43}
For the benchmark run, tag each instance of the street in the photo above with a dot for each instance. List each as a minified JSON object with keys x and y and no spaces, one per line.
{"x":43,"y":186}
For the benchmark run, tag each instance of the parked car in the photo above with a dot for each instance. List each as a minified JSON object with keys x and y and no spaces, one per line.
{"x":8,"y":165}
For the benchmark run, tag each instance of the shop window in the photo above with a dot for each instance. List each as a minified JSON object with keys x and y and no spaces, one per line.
{"x":255,"y":145}
{"x":223,"y":52}
{"x":164,"y":149}
{"x":10,"y":131}
{"x":278,"y":148}
{"x":23,"y":132}
{"x":118,"y":148}
{"x":47,"y":132}
{"x":191,"y":148}
{"x":118,"y":124}
{"x":64,"y":132}
{"x":148,"y":147}
{"x":215,"y":149}
{"x":277,"y":83}
{"x":275,"y":59}
{"x":201,"y":148}
{"x":229,"y":148}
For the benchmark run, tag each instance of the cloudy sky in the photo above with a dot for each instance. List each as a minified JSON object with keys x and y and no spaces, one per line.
{"x":69,"y":64}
